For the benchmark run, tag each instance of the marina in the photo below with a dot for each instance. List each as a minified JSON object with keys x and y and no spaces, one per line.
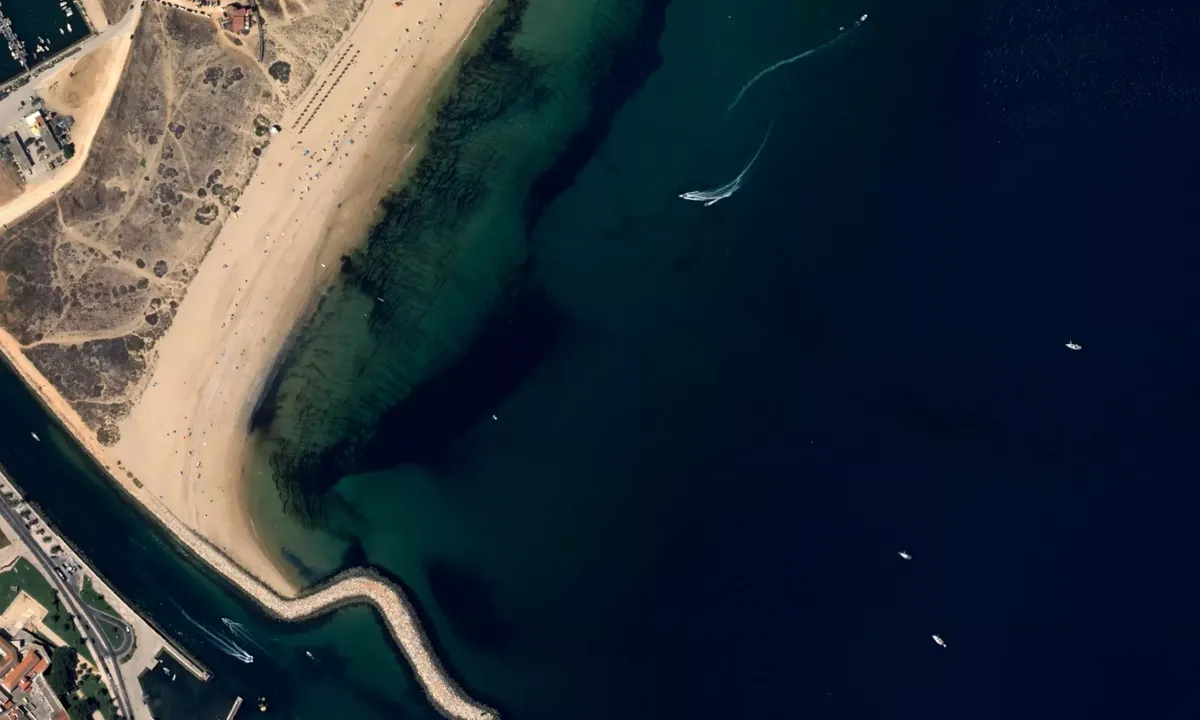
{"x":34,"y":31}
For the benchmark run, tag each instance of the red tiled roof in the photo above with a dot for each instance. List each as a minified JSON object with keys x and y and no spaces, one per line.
{"x":8,"y":656}
{"x":30,"y":665}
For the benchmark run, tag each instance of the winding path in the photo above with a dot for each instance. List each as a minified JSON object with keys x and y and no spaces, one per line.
{"x":107,"y":660}
{"x":351,"y":587}
{"x":116,"y":621}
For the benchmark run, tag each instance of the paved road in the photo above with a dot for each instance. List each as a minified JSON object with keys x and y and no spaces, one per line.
{"x":11,"y":110}
{"x":107,"y":661}
{"x":119,"y":624}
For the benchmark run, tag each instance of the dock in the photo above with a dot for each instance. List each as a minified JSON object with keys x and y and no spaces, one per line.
{"x":187,"y":662}
{"x":233,"y":710}
{"x":15,"y":46}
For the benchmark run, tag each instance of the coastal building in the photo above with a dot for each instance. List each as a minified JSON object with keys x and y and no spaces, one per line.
{"x":241,"y":17}
{"x":24,"y":692}
{"x":9,"y":657}
{"x":35,"y":146}
{"x":20,"y":156}
{"x":39,"y":128}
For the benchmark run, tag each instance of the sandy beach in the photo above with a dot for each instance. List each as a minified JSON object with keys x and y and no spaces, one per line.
{"x":312,"y":198}
{"x":184,"y":446}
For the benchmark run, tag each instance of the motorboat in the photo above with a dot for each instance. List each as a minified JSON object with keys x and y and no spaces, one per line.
{"x":904,"y":555}
{"x":1074,"y":346}
{"x":938,"y":639}
{"x":35,"y":437}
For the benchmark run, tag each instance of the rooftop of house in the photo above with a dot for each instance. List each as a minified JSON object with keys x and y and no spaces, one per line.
{"x":9,"y":656}
{"x":18,"y":677}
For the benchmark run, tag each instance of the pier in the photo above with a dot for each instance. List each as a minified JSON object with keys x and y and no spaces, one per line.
{"x":233,"y":710}
{"x":352,"y":587}
{"x":15,"y":46}
{"x":185,"y":660}
{"x":348,"y":588}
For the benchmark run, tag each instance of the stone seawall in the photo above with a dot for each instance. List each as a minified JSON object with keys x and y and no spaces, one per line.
{"x":348,"y":588}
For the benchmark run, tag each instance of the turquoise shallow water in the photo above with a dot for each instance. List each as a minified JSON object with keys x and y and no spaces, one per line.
{"x":638,"y":458}
{"x":586,"y":553}
{"x":518,"y":400}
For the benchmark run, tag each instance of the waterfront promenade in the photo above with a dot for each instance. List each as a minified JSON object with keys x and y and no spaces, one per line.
{"x":349,"y":588}
{"x":408,"y":87}
{"x":120,"y":667}
{"x":106,"y":662}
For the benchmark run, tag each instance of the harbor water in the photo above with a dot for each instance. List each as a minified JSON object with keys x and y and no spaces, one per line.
{"x":636,"y":457}
{"x":45,"y":27}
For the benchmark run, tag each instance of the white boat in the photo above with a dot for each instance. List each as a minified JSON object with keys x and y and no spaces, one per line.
{"x":1074,"y":346}
{"x":938,"y":639}
{"x":61,"y":31}
{"x":68,"y":28}
{"x":904,"y":555}
{"x":310,"y":655}
{"x":35,"y":437}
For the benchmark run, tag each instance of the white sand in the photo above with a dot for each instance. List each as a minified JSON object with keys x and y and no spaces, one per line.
{"x":185,"y":440}
{"x":186,"y":437}
{"x":95,"y":14}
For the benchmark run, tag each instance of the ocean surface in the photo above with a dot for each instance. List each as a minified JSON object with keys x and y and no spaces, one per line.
{"x":39,"y":22}
{"x":637,"y":457}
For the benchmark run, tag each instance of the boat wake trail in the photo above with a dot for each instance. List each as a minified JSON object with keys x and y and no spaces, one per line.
{"x":795,"y":58}
{"x":240,"y":630}
{"x":224,"y":644}
{"x":716,"y":195}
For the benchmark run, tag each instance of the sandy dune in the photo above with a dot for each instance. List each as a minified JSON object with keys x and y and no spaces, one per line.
{"x":185,"y":439}
{"x":182,"y":448}
{"x":86,"y":97}
{"x":184,"y":444}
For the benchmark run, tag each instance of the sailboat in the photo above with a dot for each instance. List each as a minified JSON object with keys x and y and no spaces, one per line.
{"x":35,"y":437}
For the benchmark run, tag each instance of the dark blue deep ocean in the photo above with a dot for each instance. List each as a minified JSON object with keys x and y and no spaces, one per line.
{"x":716,"y":427}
